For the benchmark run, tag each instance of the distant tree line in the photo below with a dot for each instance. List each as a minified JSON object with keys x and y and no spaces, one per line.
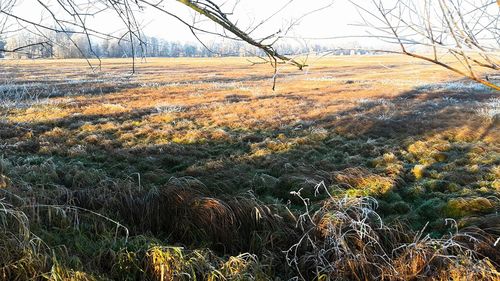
{"x":68,"y":45}
{"x":2,"y":46}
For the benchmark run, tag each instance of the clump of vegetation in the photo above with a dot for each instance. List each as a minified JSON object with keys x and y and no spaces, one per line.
{"x":347,"y":239}
{"x":462,"y":207}
{"x":361,"y":182}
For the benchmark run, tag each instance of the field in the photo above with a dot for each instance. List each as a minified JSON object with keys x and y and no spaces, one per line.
{"x":356,"y":168}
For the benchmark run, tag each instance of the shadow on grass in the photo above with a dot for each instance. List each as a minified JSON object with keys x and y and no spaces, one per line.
{"x":419,"y":153}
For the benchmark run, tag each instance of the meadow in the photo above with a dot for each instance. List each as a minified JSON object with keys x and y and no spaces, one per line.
{"x":356,"y":168}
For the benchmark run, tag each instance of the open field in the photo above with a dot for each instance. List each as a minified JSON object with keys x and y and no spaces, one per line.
{"x":195,"y":167}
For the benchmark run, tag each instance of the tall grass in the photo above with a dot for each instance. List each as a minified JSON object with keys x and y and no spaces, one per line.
{"x":23,"y":255}
{"x":208,"y":238}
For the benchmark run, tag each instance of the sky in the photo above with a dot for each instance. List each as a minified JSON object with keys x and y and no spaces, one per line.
{"x":337,"y":20}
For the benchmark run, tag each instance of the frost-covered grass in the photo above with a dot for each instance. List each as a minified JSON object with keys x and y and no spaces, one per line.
{"x":24,"y":95}
{"x":456,"y":86}
{"x":489,"y":109}
{"x":205,"y":155}
{"x":169,"y":108}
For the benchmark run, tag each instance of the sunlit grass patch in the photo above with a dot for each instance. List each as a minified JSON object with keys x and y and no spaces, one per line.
{"x":189,"y":137}
{"x":104,"y":109}
{"x":162,"y":118}
{"x":361,"y":182}
{"x":461,"y":207}
{"x":40,"y":113}
{"x":56,"y":133}
{"x":389,"y":163}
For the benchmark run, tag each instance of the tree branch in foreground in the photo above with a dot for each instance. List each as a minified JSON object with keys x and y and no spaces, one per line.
{"x":461,"y":36}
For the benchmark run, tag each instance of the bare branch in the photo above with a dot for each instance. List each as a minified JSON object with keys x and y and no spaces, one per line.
{"x":440,"y":27}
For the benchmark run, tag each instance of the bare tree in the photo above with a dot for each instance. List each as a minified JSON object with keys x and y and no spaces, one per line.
{"x":460,"y":35}
{"x":74,"y":17}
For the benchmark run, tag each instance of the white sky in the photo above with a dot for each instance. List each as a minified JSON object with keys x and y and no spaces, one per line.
{"x":333,"y":21}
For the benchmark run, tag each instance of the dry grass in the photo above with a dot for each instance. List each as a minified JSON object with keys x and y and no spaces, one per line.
{"x":189,"y":170}
{"x":347,"y":240}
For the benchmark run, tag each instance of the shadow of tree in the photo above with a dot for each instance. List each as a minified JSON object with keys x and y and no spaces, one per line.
{"x":416,"y":153}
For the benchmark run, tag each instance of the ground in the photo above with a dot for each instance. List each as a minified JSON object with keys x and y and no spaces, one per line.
{"x":420,"y":140}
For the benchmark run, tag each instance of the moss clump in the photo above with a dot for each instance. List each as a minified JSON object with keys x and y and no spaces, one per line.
{"x":388,"y":163}
{"x":496,"y":185}
{"x":429,"y":151}
{"x":439,"y":156}
{"x":362,"y":182}
{"x":441,"y":186}
{"x":462,"y":207}
{"x":419,"y":171}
